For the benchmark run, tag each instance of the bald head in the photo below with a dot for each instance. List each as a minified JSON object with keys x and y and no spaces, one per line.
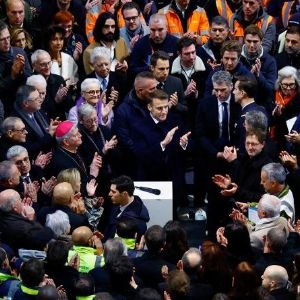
{"x":275,"y":277}
{"x":191,"y":260}
{"x":81,"y":235}
{"x":62,"y":193}
{"x":10,"y":201}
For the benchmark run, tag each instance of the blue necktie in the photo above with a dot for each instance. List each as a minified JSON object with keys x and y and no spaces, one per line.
{"x":104,"y":84}
{"x":225,"y":133}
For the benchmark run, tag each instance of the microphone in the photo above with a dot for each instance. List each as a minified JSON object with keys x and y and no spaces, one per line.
{"x":148,"y":190}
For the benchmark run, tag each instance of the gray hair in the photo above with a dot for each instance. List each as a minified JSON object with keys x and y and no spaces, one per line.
{"x":287,"y":72}
{"x":100,"y":52}
{"x":60,"y":139}
{"x":8,"y":205}
{"x":23,"y":94}
{"x":35,"y":55}
{"x":270,"y":204}
{"x":15,"y":151}
{"x":277,"y":238}
{"x":257,"y":120}
{"x":5,"y":170}
{"x":113,"y":249}
{"x":37,"y":79}
{"x":85,"y":110}
{"x":220,"y":77}
{"x":9,"y":124}
{"x":275,"y":172}
{"x":59,"y":222}
{"x":279,"y":275}
{"x":191,"y":259}
{"x":86,"y":82}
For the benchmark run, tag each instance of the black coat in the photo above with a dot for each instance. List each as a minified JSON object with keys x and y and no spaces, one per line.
{"x":19,"y":232}
{"x":76,"y":220}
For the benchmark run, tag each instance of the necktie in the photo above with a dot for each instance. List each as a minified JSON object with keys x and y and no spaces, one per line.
{"x":225,"y":133}
{"x":104,"y":84}
{"x":160,"y":86}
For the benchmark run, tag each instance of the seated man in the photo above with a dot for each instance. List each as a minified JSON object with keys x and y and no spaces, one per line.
{"x":125,"y":205}
{"x":17,"y":224}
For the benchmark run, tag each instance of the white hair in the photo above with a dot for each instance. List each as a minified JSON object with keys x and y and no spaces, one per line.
{"x":59,"y":222}
{"x":100,"y":52}
{"x":270,"y":204}
{"x":85,"y":110}
{"x":86,"y":82}
{"x":35,"y":55}
{"x":38,"y":79}
{"x":287,"y":72}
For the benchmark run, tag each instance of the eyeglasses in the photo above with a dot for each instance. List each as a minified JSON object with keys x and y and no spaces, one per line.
{"x":22,"y":130}
{"x":24,"y":160}
{"x":91,"y":121}
{"x":252,"y":144}
{"x":288,"y":85}
{"x":93,"y":92}
{"x":5,"y":38}
{"x":133,"y":18}
{"x":45,"y":64}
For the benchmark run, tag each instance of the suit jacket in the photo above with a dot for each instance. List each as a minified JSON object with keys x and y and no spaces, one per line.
{"x":36,"y":140}
{"x":256,"y":237}
{"x":172,"y":85}
{"x":118,"y":80}
{"x":207,"y":129}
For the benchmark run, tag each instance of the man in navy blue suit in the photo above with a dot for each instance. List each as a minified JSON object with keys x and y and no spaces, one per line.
{"x":244,"y":92}
{"x":159,"y":144}
{"x":214,"y":129}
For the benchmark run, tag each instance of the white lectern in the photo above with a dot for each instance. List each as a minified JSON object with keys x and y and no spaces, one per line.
{"x":160,"y":206}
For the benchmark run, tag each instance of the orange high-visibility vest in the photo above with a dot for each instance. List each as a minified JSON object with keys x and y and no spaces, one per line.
{"x":197,"y":22}
{"x":286,"y":13}
{"x":224,"y":9}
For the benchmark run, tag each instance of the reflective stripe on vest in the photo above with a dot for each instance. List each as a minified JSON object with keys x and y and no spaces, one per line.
{"x":29,"y":291}
{"x":4,"y":277}
{"x":223,"y":9}
{"x":91,"y":297}
{"x":285,"y":13}
{"x":261,"y":23}
{"x":87,"y":257}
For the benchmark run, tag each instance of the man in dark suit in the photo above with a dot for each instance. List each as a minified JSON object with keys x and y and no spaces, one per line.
{"x":244,"y":92}
{"x":148,"y":267}
{"x":58,"y":100}
{"x":160,"y":67}
{"x":111,"y":82}
{"x":28,"y":108}
{"x":215,"y":121}
{"x":159,"y":142}
{"x":125,"y":205}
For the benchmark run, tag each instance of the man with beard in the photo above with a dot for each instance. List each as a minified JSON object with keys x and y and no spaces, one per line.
{"x":290,"y":55}
{"x":158,"y":39}
{"x":134,"y":28}
{"x":106,"y":34}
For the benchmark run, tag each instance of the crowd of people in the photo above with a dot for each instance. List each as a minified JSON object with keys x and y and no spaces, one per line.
{"x":97,"y":94}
